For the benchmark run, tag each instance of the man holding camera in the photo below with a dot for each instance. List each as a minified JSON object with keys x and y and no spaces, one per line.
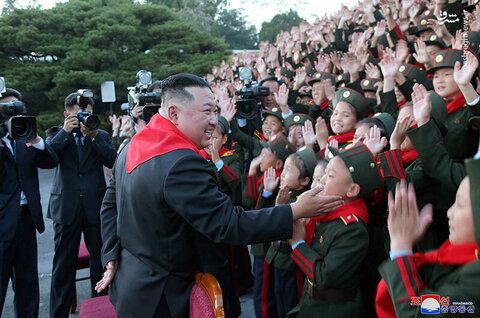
{"x":76,"y":196}
{"x":20,"y":212}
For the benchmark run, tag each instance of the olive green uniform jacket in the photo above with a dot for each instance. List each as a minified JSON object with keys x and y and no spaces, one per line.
{"x":332,"y":265}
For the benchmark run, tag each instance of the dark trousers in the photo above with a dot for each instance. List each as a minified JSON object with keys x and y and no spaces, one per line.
{"x":286,"y":291}
{"x":67,"y":241}
{"x":263,"y":289}
{"x":18,"y":261}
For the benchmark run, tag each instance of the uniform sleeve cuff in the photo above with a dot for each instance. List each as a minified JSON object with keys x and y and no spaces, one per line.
{"x":266,"y":194}
{"x":474,"y":102}
{"x":294,"y":246}
{"x":241,"y":122}
{"x":284,"y":116}
{"x":399,"y":253}
{"x":219,"y":165}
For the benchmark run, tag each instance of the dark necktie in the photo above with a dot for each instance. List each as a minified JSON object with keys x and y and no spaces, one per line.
{"x":80,"y":149}
{"x":12,"y":144}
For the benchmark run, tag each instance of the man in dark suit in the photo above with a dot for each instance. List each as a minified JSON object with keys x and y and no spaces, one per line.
{"x":163,"y":192}
{"x":21,"y":214}
{"x":76,"y":197}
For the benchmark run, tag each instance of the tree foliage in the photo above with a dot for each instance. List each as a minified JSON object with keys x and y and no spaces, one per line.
{"x":213,"y":17}
{"x":48,"y":54}
{"x":280,"y":22}
{"x":232,"y":26}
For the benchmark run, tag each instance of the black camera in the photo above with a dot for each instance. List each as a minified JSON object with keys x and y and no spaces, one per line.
{"x":248,"y":106}
{"x":18,"y":127}
{"x":84,"y":99}
{"x":138,"y":94}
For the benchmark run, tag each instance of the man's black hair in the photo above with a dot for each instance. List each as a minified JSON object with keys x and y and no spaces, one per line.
{"x":271,"y":79}
{"x":175,"y":86}
{"x":372,"y":121}
{"x":71,"y":100}
{"x":12,"y":92}
{"x":157,"y":84}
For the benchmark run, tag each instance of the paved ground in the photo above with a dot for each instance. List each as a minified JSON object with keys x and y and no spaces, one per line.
{"x":45,"y":256}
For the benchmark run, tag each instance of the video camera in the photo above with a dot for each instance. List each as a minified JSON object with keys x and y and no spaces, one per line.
{"x":89,"y":120}
{"x":248,"y":106}
{"x":18,"y":127}
{"x":151,"y":101}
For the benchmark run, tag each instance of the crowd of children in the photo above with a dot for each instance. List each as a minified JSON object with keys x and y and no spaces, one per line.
{"x":378,"y":104}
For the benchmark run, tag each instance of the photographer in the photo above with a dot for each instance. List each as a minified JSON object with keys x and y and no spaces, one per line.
{"x":20,"y":213}
{"x":76,"y":196}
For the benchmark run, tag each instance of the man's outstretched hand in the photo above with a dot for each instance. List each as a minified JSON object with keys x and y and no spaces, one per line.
{"x":311,"y":203}
{"x":108,"y":276}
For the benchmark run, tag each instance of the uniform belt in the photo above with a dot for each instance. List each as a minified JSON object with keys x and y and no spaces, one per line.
{"x":333,"y":295}
{"x":23,"y":209}
{"x":281,"y":246}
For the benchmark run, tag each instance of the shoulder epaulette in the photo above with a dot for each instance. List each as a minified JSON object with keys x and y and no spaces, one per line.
{"x":349,"y":219}
{"x":259,"y":135}
{"x":228,"y":153}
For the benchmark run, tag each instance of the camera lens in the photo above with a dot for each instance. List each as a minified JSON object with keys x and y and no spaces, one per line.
{"x":24,"y":128}
{"x":92,"y":122}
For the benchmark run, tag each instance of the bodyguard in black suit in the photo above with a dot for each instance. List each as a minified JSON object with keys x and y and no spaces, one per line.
{"x":163,"y":194}
{"x":76,"y":197}
{"x":20,"y":215}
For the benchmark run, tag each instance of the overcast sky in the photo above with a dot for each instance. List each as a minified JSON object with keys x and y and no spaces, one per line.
{"x":262,"y":10}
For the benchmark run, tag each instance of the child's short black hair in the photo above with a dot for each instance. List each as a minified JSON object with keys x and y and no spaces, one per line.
{"x":297,"y":160}
{"x":374,"y":122}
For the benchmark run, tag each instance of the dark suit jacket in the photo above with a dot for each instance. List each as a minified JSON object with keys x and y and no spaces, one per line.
{"x":21,"y":175}
{"x":148,"y":220}
{"x":77,"y":182}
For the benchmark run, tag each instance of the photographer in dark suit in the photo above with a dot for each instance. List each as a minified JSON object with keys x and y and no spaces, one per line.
{"x":76,"y":196}
{"x":163,"y":195}
{"x":21,"y":214}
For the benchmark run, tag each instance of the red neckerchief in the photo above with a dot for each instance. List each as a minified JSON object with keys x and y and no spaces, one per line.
{"x":260,"y":136}
{"x":409,"y":156}
{"x":159,"y":137}
{"x":324,"y":104}
{"x":354,"y":209}
{"x":343,"y":138}
{"x":456,"y":104}
{"x":278,"y":173}
{"x":401,"y":104}
{"x":447,"y":254}
{"x":222,"y":153}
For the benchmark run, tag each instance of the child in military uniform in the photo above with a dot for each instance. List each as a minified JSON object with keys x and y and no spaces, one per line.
{"x":452,"y":271}
{"x":288,"y":279}
{"x":351,"y":107}
{"x":330,"y":249}
{"x":227,"y":163}
{"x":294,"y":125}
{"x":268,"y":165}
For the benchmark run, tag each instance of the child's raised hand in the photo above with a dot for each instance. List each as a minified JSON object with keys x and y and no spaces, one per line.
{"x":372,"y":71}
{"x":389,"y":66}
{"x":398,"y":135}
{"x":309,"y":134}
{"x":374,"y":141}
{"x":228,"y":110}
{"x":405,"y":225}
{"x":283,"y":196}
{"x":282,"y":98}
{"x":463,"y":75}
{"x":421,"y":54}
{"x":270,"y":180}
{"x":422,"y":106}
{"x":321,"y":132}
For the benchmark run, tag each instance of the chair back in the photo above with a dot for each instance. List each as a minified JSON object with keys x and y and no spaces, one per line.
{"x":206,"y":299}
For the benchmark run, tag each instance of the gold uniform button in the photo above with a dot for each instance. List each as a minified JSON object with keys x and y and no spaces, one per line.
{"x":351,"y":169}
